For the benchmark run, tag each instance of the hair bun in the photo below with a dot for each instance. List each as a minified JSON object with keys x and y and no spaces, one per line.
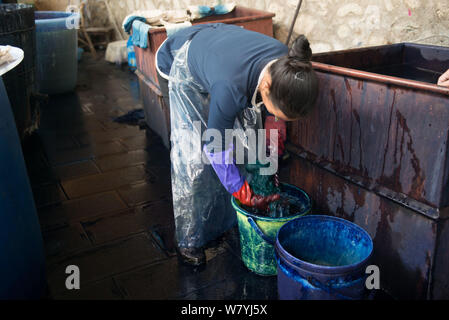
{"x":300,"y":50}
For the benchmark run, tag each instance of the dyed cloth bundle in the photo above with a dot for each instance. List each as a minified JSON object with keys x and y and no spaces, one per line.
{"x":263,"y":185}
{"x":140,"y":33}
{"x":198,"y":12}
{"x":266,"y":185}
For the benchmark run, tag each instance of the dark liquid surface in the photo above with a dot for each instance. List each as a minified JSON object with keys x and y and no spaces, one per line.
{"x":287,"y":206}
{"x":406,"y":71}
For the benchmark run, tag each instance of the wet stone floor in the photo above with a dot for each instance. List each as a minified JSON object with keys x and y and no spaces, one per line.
{"x":103,"y":195}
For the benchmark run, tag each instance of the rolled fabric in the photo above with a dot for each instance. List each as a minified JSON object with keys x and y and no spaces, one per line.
{"x":224,"y":8}
{"x":128,"y":22}
{"x":198,"y":12}
{"x":226,"y":170}
{"x":140,"y":34}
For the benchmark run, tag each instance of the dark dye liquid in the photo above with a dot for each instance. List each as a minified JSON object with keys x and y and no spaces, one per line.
{"x":406,"y":71}
{"x":286,"y":206}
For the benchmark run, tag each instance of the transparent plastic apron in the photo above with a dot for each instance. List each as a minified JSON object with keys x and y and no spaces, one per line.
{"x":202,"y":206}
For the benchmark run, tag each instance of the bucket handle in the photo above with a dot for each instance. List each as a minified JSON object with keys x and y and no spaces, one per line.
{"x":260,"y":232}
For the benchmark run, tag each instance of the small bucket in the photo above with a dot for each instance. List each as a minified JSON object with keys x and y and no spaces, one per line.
{"x":322,"y":258}
{"x":258,"y":234}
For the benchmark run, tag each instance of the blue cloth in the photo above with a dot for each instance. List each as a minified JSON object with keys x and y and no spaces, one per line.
{"x":206,"y":11}
{"x":132,"y":63}
{"x":221,"y":9}
{"x":127,"y":25}
{"x":227,"y":61}
{"x":140,"y":34}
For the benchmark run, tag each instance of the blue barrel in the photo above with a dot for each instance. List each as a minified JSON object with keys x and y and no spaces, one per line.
{"x":57,"y":51}
{"x":22,"y":264}
{"x":322,"y":258}
{"x":17,"y":29}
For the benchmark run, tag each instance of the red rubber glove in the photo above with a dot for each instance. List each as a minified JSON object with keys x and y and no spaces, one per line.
{"x":277,"y":124}
{"x":246,"y":197}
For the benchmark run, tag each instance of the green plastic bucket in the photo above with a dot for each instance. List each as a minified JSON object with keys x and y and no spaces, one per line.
{"x":258,"y":234}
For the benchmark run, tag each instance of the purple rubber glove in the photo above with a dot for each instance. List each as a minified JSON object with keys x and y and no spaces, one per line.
{"x":226,"y":170}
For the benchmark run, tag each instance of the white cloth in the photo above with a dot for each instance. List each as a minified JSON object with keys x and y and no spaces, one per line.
{"x":171,"y":28}
{"x":158,"y":17}
{"x":5,"y":55}
{"x":117,"y":52}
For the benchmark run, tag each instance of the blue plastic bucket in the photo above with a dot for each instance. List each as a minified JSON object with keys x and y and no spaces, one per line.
{"x":22,"y":262}
{"x":322,"y":258}
{"x":57,"y":51}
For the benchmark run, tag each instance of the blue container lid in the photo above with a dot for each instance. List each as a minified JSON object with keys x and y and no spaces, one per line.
{"x":56,"y":20}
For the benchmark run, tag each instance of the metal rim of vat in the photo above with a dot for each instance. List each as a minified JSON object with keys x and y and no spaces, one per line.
{"x":375,"y":76}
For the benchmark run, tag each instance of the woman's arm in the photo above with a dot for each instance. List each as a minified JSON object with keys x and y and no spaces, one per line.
{"x":234,"y":183}
{"x":224,"y":105}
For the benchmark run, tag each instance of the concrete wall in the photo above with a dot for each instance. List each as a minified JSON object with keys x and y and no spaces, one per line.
{"x":329,"y":24}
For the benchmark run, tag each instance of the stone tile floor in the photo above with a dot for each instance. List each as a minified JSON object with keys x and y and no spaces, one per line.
{"x":103,"y":195}
{"x":104,"y":201}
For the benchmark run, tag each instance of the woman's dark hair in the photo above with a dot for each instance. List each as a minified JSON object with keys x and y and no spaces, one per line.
{"x":294,"y":84}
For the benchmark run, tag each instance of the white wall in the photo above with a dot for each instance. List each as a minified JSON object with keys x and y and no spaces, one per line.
{"x":329,"y":24}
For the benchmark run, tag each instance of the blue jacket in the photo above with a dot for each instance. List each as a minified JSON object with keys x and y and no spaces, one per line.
{"x":227,"y":61}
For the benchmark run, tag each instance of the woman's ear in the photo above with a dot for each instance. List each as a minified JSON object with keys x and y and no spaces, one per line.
{"x":265,"y":86}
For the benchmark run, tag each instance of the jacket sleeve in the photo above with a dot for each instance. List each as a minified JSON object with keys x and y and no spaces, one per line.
{"x":226,"y":170}
{"x":226,"y":101}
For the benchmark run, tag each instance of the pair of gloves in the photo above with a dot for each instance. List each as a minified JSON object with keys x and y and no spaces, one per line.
{"x":245,"y":194}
